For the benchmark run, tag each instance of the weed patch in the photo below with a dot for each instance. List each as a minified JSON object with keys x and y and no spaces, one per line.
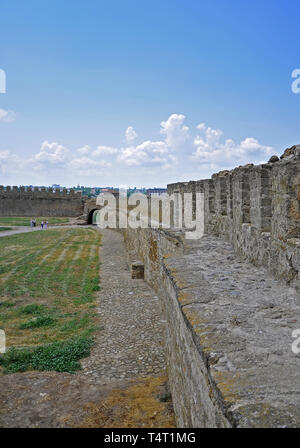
{"x":33,"y":308}
{"x":38,"y":322}
{"x":58,"y":356}
{"x":6,"y":304}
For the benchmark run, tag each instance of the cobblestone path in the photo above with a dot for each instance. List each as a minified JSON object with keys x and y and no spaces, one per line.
{"x":131,"y":342}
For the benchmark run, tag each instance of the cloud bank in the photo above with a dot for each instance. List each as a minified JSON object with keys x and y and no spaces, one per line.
{"x":178,"y":148}
{"x":211,"y":150}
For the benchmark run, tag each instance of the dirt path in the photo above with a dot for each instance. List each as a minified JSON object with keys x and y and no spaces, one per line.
{"x":18,"y":229}
{"x":25,"y":229}
{"x":123,"y":382}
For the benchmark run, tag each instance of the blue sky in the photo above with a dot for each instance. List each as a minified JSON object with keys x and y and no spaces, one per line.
{"x":201,"y":85}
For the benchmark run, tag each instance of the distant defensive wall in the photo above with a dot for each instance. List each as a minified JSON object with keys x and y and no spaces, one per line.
{"x":32,"y":202}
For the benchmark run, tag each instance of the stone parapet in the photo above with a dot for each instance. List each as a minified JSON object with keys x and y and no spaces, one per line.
{"x":229,"y":332}
{"x":257,"y":208}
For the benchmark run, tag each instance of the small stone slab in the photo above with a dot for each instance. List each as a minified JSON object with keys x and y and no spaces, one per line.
{"x":137,"y":269}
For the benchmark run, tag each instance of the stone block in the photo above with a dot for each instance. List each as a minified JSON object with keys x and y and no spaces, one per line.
{"x":137,"y":270}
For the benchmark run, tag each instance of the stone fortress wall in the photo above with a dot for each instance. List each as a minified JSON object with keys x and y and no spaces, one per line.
{"x":231,"y":299}
{"x":33,"y":202}
{"x":257,"y":208}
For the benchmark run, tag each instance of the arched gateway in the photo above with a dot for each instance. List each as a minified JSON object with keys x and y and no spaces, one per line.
{"x":90,"y":207}
{"x":91,"y":216}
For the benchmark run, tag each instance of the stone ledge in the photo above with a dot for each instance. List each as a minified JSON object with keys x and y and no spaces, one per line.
{"x":241,"y":321}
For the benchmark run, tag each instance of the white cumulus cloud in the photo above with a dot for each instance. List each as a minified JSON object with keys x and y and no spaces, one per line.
{"x":101,"y":150}
{"x":175,"y":131}
{"x":179,"y":154}
{"x":147,"y":153}
{"x":84,"y":150}
{"x":52,"y":153}
{"x":210,"y":149}
{"x":130,"y":134}
{"x":157,"y":153}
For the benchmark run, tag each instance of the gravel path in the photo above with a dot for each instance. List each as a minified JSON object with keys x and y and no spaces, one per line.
{"x":18,"y":229}
{"x":26,"y":229}
{"x":131,"y":343}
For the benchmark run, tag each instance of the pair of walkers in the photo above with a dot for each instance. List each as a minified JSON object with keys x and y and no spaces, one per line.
{"x":44,"y":224}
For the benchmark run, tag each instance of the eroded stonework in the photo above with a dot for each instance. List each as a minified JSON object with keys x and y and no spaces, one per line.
{"x":33,"y":202}
{"x":231,"y":299}
{"x":257,"y":208}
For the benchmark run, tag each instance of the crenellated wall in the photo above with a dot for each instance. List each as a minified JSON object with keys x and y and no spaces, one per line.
{"x":33,"y":202}
{"x":257,"y":209}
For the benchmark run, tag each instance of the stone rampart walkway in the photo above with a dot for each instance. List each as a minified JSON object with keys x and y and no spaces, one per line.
{"x":243,"y":320}
{"x":131,"y":342}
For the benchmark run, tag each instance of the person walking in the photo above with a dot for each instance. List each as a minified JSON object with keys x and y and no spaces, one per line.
{"x":42,"y":224}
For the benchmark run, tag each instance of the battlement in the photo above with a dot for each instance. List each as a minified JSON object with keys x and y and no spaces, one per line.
{"x":257,"y":208}
{"x":21,"y":201}
{"x":36,"y":191}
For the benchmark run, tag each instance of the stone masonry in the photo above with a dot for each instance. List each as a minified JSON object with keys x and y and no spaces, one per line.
{"x":257,"y":208}
{"x":15,"y":201}
{"x":231,"y":299}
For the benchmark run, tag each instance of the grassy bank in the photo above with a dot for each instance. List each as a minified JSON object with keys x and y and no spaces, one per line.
{"x":4,"y":229}
{"x":48,"y":284}
{"x":25,"y":221}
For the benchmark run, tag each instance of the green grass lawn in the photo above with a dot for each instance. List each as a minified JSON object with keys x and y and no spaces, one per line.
{"x":48,"y":285}
{"x":3,"y":229}
{"x":23,"y":221}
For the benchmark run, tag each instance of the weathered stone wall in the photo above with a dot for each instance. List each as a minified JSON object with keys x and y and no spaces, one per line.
{"x":192,"y":393}
{"x":257,"y":209}
{"x":151,"y":246}
{"x":34,"y":202}
{"x":229,"y":327}
{"x":230,"y":322}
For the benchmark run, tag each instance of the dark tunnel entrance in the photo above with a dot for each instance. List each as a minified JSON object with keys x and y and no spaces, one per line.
{"x":92,"y":216}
